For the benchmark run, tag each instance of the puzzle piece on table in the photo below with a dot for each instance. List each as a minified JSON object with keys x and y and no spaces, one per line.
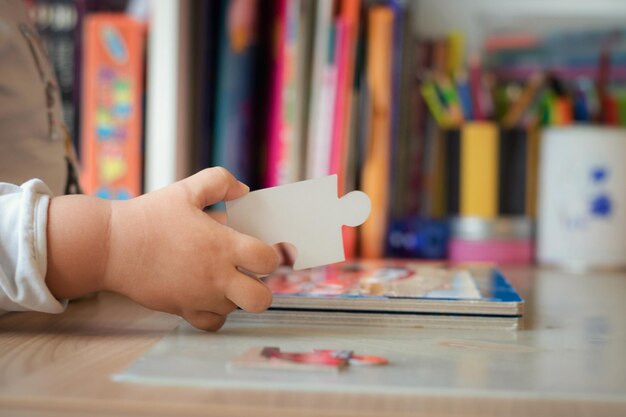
{"x":316,"y":360}
{"x":273,"y":358}
{"x":306,"y":214}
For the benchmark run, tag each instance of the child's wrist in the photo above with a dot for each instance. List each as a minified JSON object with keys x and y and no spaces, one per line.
{"x":110,"y":270}
{"x":78,"y":246}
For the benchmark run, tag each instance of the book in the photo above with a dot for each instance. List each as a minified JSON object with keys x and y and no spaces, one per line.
{"x":321,"y":145}
{"x":375,"y":174}
{"x":393,"y":293}
{"x":306,"y":36}
{"x":349,"y":16}
{"x":342,"y":52}
{"x":355,"y":125}
{"x":232,"y":146}
{"x":276,"y":137}
{"x":317,"y":143}
{"x":205,"y":31}
{"x":284,"y":160}
{"x":112,"y":113}
{"x":60,"y":27}
{"x":405,"y":155}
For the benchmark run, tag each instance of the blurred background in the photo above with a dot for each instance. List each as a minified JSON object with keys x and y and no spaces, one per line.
{"x":467,"y":122}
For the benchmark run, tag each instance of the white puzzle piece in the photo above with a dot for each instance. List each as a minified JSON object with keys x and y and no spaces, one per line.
{"x":306,"y":214}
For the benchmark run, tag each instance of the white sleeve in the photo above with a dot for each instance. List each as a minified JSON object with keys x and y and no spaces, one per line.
{"x":23,"y":251}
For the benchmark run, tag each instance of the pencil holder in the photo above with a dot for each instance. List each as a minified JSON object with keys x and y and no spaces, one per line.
{"x":582,"y":198}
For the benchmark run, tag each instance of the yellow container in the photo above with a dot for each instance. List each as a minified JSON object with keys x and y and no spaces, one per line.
{"x":479,"y":170}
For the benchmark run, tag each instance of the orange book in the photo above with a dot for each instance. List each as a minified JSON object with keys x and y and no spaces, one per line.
{"x":375,"y":175}
{"x":113,"y":64}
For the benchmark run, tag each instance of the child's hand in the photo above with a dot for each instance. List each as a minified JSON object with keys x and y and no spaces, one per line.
{"x":167,"y":254}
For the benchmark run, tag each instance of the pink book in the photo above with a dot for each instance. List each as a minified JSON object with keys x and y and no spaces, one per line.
{"x":337,"y":147}
{"x":274,"y":136}
{"x":338,"y":143}
{"x":275,"y":153}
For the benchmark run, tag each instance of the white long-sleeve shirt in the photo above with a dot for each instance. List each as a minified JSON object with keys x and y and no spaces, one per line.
{"x":31,"y":145}
{"x":23,"y":250}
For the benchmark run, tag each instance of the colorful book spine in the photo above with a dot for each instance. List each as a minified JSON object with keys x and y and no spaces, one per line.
{"x":291,"y":95}
{"x":322,"y":141}
{"x":407,"y":162}
{"x":205,"y":75}
{"x":339,"y":115}
{"x":348,"y":24}
{"x":321,"y":77}
{"x":305,"y":66}
{"x":232,"y":148}
{"x":396,"y":177}
{"x":350,"y":13}
{"x":338,"y":145}
{"x":284,"y":162}
{"x":418,"y":116}
{"x":375,"y":176}
{"x":277,"y":153}
{"x":112,"y":106}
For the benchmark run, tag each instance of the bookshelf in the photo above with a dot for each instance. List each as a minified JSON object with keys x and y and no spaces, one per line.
{"x":257,"y":110}
{"x":166,"y":151}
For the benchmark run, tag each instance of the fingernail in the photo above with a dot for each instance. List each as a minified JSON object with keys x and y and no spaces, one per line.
{"x":244,"y":186}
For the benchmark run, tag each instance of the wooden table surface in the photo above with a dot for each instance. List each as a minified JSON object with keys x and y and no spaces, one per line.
{"x":62,"y":365}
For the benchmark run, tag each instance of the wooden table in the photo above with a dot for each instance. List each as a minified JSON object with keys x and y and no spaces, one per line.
{"x":575,"y":337}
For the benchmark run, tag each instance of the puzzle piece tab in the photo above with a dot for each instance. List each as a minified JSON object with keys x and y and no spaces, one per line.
{"x":306,"y":214}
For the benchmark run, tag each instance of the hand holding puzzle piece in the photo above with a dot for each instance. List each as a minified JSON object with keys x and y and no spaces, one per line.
{"x":306,"y":214}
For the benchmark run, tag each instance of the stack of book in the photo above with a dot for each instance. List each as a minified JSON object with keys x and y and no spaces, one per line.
{"x":393,"y":293}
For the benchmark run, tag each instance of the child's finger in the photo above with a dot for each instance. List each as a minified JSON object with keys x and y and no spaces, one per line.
{"x":212,"y":185}
{"x":218,"y":216}
{"x":255,"y":256}
{"x":222,"y":307}
{"x":248,"y":293}
{"x":205,"y":320}
{"x":287,"y":253}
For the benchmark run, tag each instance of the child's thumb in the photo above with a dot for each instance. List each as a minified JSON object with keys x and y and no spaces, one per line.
{"x":213,"y":185}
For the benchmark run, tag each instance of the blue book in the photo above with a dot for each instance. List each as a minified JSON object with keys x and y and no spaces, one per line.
{"x":234,"y":97}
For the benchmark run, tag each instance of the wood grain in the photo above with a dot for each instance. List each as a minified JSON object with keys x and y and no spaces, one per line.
{"x":55,"y":365}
